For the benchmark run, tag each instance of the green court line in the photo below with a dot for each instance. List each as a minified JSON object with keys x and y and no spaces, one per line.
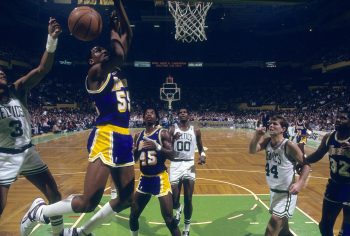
{"x":239,"y":215}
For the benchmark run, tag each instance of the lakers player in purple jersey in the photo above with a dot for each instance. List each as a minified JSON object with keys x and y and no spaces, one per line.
{"x":110,"y":142}
{"x":152,"y":147}
{"x":337,"y":194}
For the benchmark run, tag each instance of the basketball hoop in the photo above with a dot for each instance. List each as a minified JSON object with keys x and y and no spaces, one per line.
{"x":189,"y":20}
{"x":170,"y":92}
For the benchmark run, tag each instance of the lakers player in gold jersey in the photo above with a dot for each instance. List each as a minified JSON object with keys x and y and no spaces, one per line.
{"x":110,"y":142}
{"x":17,"y":154}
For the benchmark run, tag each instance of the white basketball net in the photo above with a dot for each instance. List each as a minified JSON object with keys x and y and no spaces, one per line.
{"x":189,"y":20}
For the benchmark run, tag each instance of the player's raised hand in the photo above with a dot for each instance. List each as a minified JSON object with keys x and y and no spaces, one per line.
{"x":54,"y":28}
{"x":114,"y":21}
{"x":260,"y":131}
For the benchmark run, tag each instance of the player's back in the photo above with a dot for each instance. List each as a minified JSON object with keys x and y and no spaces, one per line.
{"x":152,"y":162}
{"x":112,"y":101}
{"x":14,"y":124}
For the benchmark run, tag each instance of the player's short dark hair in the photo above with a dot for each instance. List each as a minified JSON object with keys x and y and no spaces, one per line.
{"x":183,"y":108}
{"x":155,"y":111}
{"x":283,"y":122}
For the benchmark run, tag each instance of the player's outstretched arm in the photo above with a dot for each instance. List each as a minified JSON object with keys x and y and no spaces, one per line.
{"x":121,"y":33}
{"x":36,"y":75}
{"x":319,"y":153}
{"x":202,"y":155}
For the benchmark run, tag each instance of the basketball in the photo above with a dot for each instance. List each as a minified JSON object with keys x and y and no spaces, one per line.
{"x":85,"y":23}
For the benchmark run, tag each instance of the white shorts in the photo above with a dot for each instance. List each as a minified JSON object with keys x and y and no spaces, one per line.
{"x":282,"y":204}
{"x":24,"y":163}
{"x":180,"y":170}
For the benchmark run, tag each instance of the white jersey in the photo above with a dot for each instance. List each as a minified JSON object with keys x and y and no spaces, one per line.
{"x":185,"y":144}
{"x":279,"y":167}
{"x":14,"y":124}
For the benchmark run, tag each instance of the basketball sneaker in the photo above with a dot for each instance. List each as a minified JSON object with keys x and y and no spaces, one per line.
{"x":185,"y":233}
{"x":178,"y":215}
{"x":32,"y":217}
{"x":74,"y":232}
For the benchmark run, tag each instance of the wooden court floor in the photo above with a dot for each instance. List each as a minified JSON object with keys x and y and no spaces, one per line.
{"x":228,"y":161}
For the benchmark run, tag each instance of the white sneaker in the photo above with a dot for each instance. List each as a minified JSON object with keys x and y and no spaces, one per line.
{"x":178,"y":215}
{"x":185,"y":233}
{"x":32,"y":218}
{"x":74,"y":232}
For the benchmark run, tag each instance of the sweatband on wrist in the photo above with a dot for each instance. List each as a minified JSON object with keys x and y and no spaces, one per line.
{"x":158,"y":147}
{"x":51,"y":44}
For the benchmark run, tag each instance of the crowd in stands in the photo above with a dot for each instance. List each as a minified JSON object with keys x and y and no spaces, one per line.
{"x":317,"y":104}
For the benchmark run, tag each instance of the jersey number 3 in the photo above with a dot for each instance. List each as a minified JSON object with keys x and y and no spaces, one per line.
{"x":16,"y":126}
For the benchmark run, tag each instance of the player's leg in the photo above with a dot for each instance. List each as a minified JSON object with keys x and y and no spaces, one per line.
{"x":166,"y":207}
{"x":176,"y":189}
{"x":138,"y":205}
{"x":4,"y":189}
{"x":47,"y":185}
{"x":285,"y":229}
{"x":175,"y":177}
{"x":124,"y":179}
{"x":330,"y":211}
{"x":274,"y":226}
{"x":37,"y":172}
{"x":188,"y":207}
{"x":345,"y":229}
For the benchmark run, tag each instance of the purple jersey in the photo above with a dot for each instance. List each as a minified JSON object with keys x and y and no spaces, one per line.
{"x":112,"y":101}
{"x":151,"y":161}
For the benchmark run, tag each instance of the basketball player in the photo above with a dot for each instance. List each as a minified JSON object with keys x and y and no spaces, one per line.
{"x":152,"y":147}
{"x":17,"y":153}
{"x":182,"y":168}
{"x":301,"y":129}
{"x":337,"y":194}
{"x":281,"y":158}
{"x":110,"y":142}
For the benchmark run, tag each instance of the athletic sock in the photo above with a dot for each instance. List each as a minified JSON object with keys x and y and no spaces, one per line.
{"x":187,"y":224}
{"x":56,"y":225}
{"x":58,"y":208}
{"x":103,"y":215}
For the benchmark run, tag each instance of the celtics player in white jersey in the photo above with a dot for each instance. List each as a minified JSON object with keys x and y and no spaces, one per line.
{"x":182,"y":168}
{"x":17,"y":154}
{"x":281,"y":158}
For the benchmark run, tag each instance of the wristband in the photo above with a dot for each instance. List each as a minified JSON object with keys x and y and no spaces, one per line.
{"x":203,"y":154}
{"x":51,"y":44}
{"x":158,"y":147}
